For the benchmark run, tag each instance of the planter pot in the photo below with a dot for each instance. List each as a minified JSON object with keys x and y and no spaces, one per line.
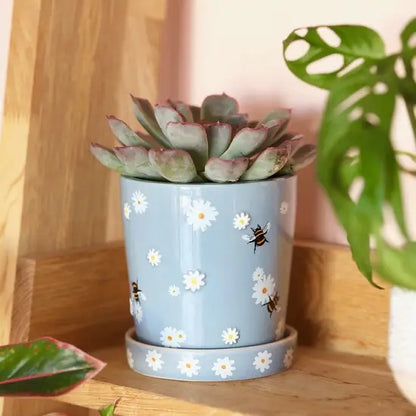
{"x":209,"y":267}
{"x":402,"y":341}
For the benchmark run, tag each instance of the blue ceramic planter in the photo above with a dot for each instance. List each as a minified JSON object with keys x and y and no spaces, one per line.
{"x":209,"y":264}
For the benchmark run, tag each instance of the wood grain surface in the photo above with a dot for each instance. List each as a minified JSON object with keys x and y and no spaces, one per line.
{"x":319,"y":384}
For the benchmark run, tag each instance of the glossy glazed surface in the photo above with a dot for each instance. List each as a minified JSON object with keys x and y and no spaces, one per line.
{"x":195,"y":272}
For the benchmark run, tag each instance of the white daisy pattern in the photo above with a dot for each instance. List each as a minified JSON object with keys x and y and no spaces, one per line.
{"x":193,"y":280}
{"x":154,"y":257}
{"x":241,"y":221}
{"x":127,"y":210}
{"x":174,"y":290}
{"x":284,"y":206}
{"x":200,"y":214}
{"x":230,"y":336}
{"x":154,"y":360}
{"x":262,"y":361}
{"x":288,"y":359}
{"x":263,"y":290}
{"x":172,"y":337}
{"x":280,"y":328}
{"x":258,"y":274}
{"x":223,"y":367}
{"x":130,"y":359}
{"x":189,"y":365}
{"x":140,"y":203}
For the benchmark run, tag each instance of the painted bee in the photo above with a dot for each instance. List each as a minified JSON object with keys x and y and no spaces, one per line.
{"x":258,"y":237}
{"x":136,"y":291}
{"x":272,"y":304}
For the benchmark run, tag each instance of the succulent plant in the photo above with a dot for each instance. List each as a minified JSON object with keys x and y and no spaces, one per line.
{"x":211,"y":143}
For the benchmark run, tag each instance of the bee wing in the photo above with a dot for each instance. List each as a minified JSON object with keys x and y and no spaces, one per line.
{"x":247,"y":238}
{"x":266,"y":228}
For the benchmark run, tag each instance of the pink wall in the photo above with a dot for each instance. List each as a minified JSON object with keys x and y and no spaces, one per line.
{"x":235,"y":46}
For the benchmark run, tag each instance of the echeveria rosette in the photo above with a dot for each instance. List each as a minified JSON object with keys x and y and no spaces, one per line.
{"x":211,"y":143}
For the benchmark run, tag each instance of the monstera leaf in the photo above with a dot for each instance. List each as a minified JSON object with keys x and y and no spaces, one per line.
{"x":354,"y":140}
{"x":44,"y":367}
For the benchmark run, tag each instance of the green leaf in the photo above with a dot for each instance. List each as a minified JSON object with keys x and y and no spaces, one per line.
{"x":175,"y":165}
{"x":236,"y":121}
{"x":136,"y":162}
{"x":164,"y":115}
{"x":196,"y":113}
{"x":109,"y":410}
{"x":192,"y":138}
{"x":269,"y":162}
{"x":246,"y":142}
{"x":217,"y":107}
{"x":355,"y":42}
{"x":106,"y":157}
{"x":125,"y":134}
{"x":183,"y":109}
{"x":398,"y":265}
{"x":143,"y":111}
{"x":44,"y":367}
{"x":220,"y":170}
{"x":219,"y":138}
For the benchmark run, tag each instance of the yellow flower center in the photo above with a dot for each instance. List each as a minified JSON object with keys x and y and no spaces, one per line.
{"x":263,"y":360}
{"x":230,"y":336}
{"x":153,"y":359}
{"x":264,"y":291}
{"x":187,"y":365}
{"x":201,"y":215}
{"x":169,"y":338}
{"x":194,"y":282}
{"x":152,"y":258}
{"x":180,"y":335}
{"x":223,"y":366}
{"x":139,"y":202}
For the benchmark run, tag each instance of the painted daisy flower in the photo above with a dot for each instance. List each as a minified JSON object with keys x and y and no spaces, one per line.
{"x":193,"y":280}
{"x":189,"y":366}
{"x":230,"y":336}
{"x":154,"y":360}
{"x":168,"y":337}
{"x":284,"y":206}
{"x":280,"y":329}
{"x":223,"y":367}
{"x":263,"y":289}
{"x":262,"y":361}
{"x":287,"y":361}
{"x":241,"y":221}
{"x":139,"y":202}
{"x":258,"y":274}
{"x":200,"y":214}
{"x":130,"y":359}
{"x":180,"y":336}
{"x":154,"y":257}
{"x":174,"y":290}
{"x":127,"y":210}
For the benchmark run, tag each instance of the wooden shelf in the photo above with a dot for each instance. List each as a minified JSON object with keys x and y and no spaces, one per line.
{"x":320,"y":383}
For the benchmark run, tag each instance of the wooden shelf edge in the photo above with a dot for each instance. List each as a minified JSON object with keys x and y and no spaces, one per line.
{"x":320,"y":382}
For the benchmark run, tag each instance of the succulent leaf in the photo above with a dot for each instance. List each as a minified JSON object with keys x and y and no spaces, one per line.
{"x":106,"y":157}
{"x":196,"y":113}
{"x":303,"y":157}
{"x":219,"y":138}
{"x":217,"y":107}
{"x":125,"y":134}
{"x":175,"y":165}
{"x":220,"y":170}
{"x":237,"y":121}
{"x":275,"y":129}
{"x":246,"y":142}
{"x":268,"y":162}
{"x":143,"y":111}
{"x":281,"y":113}
{"x":164,"y":115}
{"x":183,"y":109}
{"x":192,"y":138}
{"x":136,"y":162}
{"x":295,"y":140}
